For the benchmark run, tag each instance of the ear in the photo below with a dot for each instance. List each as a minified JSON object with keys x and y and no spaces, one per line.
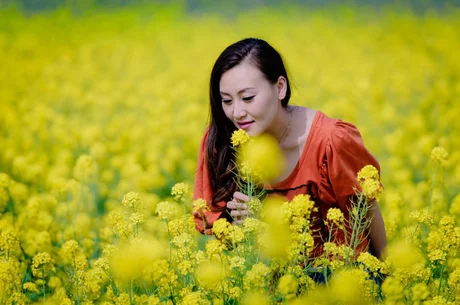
{"x":281,"y":86}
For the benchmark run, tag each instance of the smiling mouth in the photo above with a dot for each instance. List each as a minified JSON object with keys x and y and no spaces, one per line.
{"x":245,"y":125}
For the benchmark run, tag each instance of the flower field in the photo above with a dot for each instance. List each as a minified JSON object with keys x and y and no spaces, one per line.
{"x":101,"y":116}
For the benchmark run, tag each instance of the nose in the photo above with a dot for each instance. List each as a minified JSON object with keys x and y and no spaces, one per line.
{"x":239,"y":110}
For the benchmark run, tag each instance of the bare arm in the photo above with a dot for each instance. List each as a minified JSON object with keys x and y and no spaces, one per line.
{"x":378,"y":239}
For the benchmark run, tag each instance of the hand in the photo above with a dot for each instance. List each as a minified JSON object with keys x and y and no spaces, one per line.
{"x":238,"y":207}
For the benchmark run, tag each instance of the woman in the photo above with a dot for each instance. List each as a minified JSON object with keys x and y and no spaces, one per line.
{"x":249,"y":89}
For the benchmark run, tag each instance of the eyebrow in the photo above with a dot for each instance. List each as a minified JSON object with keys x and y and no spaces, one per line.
{"x":244,"y":89}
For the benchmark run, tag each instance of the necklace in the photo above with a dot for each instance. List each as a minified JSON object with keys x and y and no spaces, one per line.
{"x":288,"y":126}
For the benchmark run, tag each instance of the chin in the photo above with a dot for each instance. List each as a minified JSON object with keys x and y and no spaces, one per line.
{"x":253,"y":133}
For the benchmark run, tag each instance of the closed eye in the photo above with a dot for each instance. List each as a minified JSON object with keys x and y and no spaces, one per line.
{"x":226,"y":101}
{"x":248,"y":98}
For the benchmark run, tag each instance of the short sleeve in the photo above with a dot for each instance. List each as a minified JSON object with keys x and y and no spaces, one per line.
{"x":345,"y":155}
{"x":202,"y":189}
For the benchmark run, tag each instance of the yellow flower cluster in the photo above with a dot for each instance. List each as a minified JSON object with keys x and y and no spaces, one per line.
{"x":257,"y":277}
{"x":180,"y":191}
{"x":131,"y":200}
{"x":42,"y":264}
{"x":239,"y":137}
{"x":260,"y":160}
{"x":373,"y":264}
{"x":200,"y":205}
{"x":439,"y":154}
{"x":335,"y":217}
{"x":167,"y":210}
{"x":87,"y":214}
{"x":227,"y":232}
{"x":288,"y":286}
{"x":368,"y":178}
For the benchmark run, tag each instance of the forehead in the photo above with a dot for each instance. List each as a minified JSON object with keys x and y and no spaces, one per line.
{"x":241,"y":76}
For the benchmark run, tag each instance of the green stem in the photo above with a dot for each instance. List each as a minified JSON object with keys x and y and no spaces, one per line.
{"x":43,"y":284}
{"x":432,"y":186}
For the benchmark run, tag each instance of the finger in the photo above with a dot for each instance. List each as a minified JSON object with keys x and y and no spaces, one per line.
{"x":233,"y":205}
{"x":238,"y":222}
{"x":236,"y":213}
{"x":240,"y":196}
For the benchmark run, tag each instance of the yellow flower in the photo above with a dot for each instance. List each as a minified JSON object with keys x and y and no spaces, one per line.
{"x":9,"y":242}
{"x":214,"y":247}
{"x":371,"y":188}
{"x":167,"y":210}
{"x":69,"y":249}
{"x":368,"y":172}
{"x":200,"y":205}
{"x":180,"y":191}
{"x":275,"y":237}
{"x":251,"y":225}
{"x":132,"y":258}
{"x":257,"y":277}
{"x":237,"y":262}
{"x":335,"y":216}
{"x":42,"y":264}
{"x":368,"y":178}
{"x":392,"y":289}
{"x":454,"y":279}
{"x":225,"y":232}
{"x":420,"y":292}
{"x":437,"y":255}
{"x":348,"y":287}
{"x":288,"y":286}
{"x":372,"y":263}
{"x":136,"y":218}
{"x":403,"y":255}
{"x":261,"y":159}
{"x":32,"y":287}
{"x":132,"y":200}
{"x":194,"y":298}
{"x":255,"y":298}
{"x":439,"y":154}
{"x":438,"y":300}
{"x":178,"y":226}
{"x":239,"y":137}
{"x":86,"y":169}
{"x":209,"y":274}
{"x":422,"y":217}
{"x":254,"y":205}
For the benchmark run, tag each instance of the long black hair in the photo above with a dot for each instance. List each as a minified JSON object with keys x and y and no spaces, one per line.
{"x":218,"y":151}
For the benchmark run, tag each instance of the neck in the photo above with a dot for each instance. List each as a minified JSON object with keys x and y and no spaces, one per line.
{"x":284,"y":121}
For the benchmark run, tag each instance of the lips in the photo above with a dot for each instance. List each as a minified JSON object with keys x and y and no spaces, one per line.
{"x":245,"y":125}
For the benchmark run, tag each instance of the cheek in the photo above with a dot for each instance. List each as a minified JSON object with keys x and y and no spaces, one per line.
{"x":227,"y":111}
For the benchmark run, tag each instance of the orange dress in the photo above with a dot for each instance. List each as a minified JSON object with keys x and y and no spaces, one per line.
{"x":326,"y":170}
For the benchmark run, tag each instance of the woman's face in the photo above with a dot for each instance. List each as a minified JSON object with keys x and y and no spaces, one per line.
{"x":250,"y":101}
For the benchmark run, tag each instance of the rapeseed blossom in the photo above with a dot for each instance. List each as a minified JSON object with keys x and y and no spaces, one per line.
{"x":439,"y":154}
{"x":42,"y":265}
{"x":261,"y":159}
{"x":200,"y":205}
{"x":132,"y":200}
{"x":335,"y":217}
{"x":180,"y":191}
{"x":239,"y":137}
{"x":167,"y":210}
{"x":368,"y":178}
{"x":350,"y":286}
{"x":209,"y":274}
{"x":288,"y":286}
{"x":130,"y":260}
{"x":72,"y":200}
